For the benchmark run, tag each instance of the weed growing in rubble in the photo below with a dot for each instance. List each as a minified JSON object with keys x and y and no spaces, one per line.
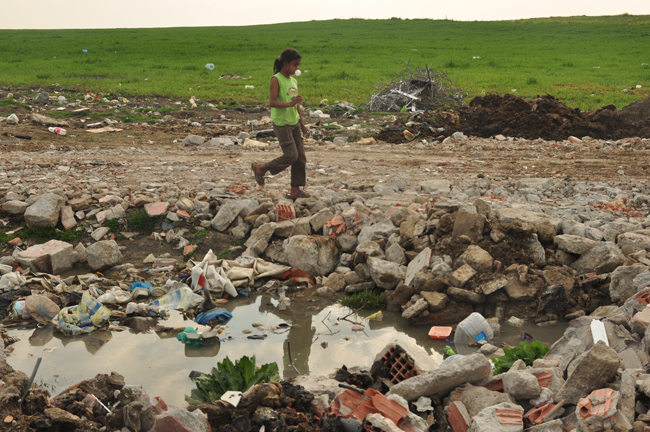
{"x":44,"y":234}
{"x":536,"y":350}
{"x":240,"y":376}
{"x":140,"y":221}
{"x":363,"y":300}
{"x":200,"y":234}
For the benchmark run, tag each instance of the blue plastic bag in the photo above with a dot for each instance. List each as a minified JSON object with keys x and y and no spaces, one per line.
{"x":146,"y":285}
{"x":220,"y":314}
{"x":481,"y":337}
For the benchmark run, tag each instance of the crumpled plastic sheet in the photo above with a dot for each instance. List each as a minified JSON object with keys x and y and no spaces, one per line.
{"x":115,"y":296}
{"x":85,"y":317}
{"x":12,"y":281}
{"x":227,"y":275}
{"x":180,"y":299}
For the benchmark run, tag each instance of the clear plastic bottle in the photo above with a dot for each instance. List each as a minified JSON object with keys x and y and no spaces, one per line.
{"x":57,"y":130}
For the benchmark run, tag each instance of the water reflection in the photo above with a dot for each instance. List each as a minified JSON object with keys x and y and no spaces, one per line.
{"x":320,"y":340}
{"x":93,"y":341}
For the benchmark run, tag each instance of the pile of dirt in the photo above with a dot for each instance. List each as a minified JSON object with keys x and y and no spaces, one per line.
{"x":544,"y":117}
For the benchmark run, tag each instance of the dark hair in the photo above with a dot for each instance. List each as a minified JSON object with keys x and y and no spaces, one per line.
{"x":288,"y":55}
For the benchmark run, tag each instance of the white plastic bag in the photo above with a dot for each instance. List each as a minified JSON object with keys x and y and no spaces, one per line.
{"x":12,"y":281}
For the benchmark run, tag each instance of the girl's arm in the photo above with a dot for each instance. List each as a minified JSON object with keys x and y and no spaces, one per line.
{"x":303,"y":128}
{"x":273,"y":97}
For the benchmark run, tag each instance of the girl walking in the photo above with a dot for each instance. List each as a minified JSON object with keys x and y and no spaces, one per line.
{"x":287,"y":125}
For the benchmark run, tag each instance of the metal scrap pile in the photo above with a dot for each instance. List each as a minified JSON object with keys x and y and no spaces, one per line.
{"x":416,"y":89}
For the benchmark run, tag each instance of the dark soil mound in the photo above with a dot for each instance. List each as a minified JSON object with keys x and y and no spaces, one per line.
{"x":544,"y":117}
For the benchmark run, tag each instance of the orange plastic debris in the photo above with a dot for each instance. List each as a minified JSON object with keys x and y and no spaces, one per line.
{"x":440,"y":332}
{"x":298,"y":275}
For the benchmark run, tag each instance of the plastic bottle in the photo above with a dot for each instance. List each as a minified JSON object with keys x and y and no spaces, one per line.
{"x":57,"y":130}
{"x":471,"y":327}
{"x":209,"y":66}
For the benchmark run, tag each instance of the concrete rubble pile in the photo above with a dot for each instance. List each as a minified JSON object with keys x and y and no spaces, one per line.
{"x":439,"y":251}
{"x":438,"y":254}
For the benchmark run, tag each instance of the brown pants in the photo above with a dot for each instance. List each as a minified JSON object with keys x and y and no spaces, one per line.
{"x":293,"y":154}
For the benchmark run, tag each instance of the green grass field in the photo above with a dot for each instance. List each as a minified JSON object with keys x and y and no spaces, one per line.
{"x":585,"y":61}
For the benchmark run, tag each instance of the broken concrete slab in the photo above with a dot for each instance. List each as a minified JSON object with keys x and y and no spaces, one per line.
{"x":45,"y":211}
{"x":593,"y":371}
{"x":103,"y":254}
{"x":53,"y":257}
{"x":316,"y":255}
{"x":471,"y":369}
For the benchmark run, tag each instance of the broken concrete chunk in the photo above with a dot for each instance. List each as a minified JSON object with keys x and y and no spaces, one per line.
{"x":574,"y":244}
{"x":603,"y":258}
{"x":385,"y":274}
{"x":593,"y":371}
{"x":471,"y":369}
{"x":460,"y":276}
{"x":103,"y":254}
{"x":53,"y":257}
{"x":521,"y":385}
{"x":622,"y":284}
{"x":477,"y":258}
{"x":315,"y":255}
{"x":45,"y":211}
{"x":504,"y":417}
{"x":227,"y":214}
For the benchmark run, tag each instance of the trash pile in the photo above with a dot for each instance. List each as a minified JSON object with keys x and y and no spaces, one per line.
{"x":416,"y":89}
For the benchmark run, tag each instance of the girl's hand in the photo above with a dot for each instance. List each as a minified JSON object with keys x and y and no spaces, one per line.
{"x":304,"y":130}
{"x":296,"y":100}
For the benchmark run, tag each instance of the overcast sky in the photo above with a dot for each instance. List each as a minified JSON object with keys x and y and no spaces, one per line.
{"x":50,"y":14}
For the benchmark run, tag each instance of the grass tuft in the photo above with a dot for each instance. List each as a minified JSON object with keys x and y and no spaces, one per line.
{"x":365,"y":299}
{"x":141,"y":222}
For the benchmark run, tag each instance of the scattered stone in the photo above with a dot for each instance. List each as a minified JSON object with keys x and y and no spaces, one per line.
{"x":315,"y":255}
{"x":45,"y":211}
{"x":477,"y":258}
{"x":592,"y":371}
{"x":103,"y":254}
{"x":385,"y":274}
{"x":603,"y":258}
{"x":53,"y":257}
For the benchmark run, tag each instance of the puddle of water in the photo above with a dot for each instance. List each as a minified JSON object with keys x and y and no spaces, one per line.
{"x":320,"y":342}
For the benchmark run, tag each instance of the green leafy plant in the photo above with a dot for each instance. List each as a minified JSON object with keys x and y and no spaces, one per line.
{"x":227,"y":376}
{"x":536,"y":350}
{"x":365,"y":299}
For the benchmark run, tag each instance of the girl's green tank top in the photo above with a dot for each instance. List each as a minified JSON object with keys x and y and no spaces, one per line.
{"x":288,"y":89}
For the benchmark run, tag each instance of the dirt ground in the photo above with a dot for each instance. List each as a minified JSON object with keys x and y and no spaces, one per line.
{"x":526,"y":156}
{"x":134,"y":153}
